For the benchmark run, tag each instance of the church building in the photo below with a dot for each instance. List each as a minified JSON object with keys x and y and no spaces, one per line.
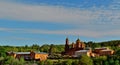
{"x":71,"y":48}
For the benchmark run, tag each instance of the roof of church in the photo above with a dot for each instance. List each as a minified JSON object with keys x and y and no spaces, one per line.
{"x":78,"y":39}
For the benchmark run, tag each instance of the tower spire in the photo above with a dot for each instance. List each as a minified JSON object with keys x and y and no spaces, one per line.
{"x":67,"y":41}
{"x":67,"y":44}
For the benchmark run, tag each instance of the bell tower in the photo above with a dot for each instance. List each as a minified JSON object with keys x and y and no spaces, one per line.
{"x":67,"y":44}
{"x":78,"y":43}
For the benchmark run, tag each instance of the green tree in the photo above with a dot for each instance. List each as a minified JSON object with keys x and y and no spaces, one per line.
{"x":85,"y":60}
{"x":48,"y":62}
{"x":59,"y":62}
{"x":35,"y":46}
{"x":111,"y":62}
{"x":2,"y":52}
{"x":68,"y":62}
{"x":118,"y":52}
{"x":44,"y":48}
{"x":117,"y":62}
{"x":75,"y":63}
{"x":10,"y":60}
{"x":99,"y":60}
{"x":2,"y":59}
{"x":52,"y":49}
{"x":16,"y":62}
{"x":106,"y":63}
{"x":22,"y":61}
{"x":41,"y":63}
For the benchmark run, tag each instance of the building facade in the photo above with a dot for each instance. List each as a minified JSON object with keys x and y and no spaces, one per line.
{"x":29,"y":55}
{"x":103,"y":51}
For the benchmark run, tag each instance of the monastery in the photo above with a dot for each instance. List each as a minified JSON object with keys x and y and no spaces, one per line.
{"x":79,"y":48}
{"x":70,"y":50}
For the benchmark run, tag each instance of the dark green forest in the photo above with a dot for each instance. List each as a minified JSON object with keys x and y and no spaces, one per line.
{"x":56,"y":50}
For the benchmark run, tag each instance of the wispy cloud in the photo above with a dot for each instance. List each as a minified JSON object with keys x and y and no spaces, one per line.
{"x":75,"y":32}
{"x":60,"y":14}
{"x":41,"y":13}
{"x":107,"y":21}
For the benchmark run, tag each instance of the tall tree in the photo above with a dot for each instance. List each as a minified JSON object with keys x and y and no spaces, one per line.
{"x":117,"y":62}
{"x":85,"y":60}
{"x":51,"y":50}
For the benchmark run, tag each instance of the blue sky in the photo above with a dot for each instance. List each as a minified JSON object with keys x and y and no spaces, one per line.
{"x":27,"y":22}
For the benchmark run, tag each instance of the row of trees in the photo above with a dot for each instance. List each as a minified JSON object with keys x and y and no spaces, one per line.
{"x":9,"y":60}
{"x":106,"y":60}
{"x":85,"y":60}
{"x":81,"y":61}
{"x":113,"y":44}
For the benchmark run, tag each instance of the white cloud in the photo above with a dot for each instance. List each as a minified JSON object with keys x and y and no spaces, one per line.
{"x":48,"y":13}
{"x":75,"y":32}
{"x":107,"y":21}
{"x":38,"y":13}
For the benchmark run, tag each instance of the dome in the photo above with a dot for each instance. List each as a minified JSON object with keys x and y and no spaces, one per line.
{"x":78,"y":40}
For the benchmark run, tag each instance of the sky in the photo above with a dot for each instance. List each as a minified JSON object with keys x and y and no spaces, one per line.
{"x":28,"y":22}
